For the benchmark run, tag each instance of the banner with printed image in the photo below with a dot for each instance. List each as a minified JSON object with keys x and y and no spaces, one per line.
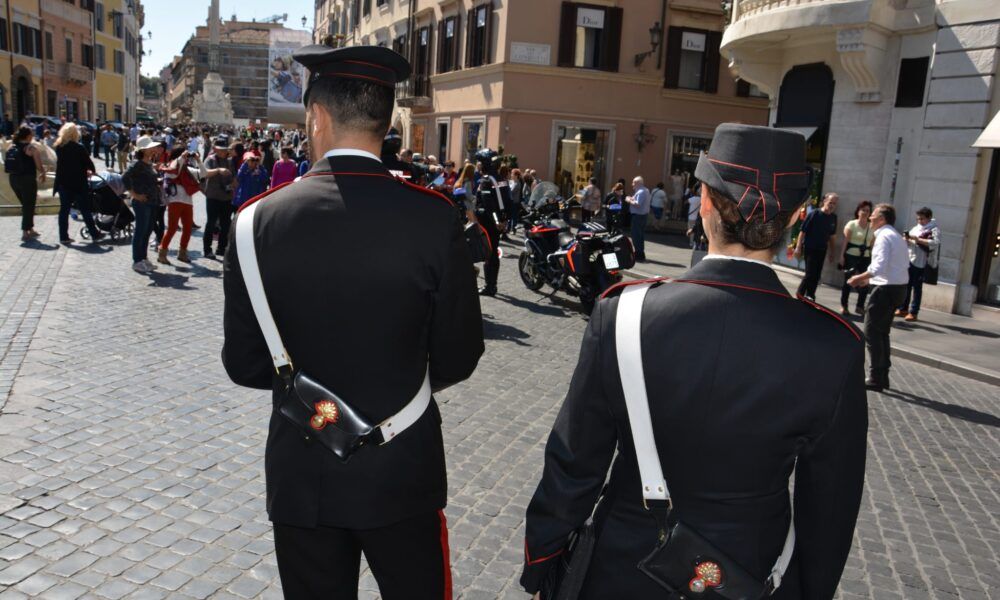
{"x":285,"y":77}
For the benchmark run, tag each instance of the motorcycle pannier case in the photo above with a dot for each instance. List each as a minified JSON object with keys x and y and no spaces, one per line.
{"x":623,"y":251}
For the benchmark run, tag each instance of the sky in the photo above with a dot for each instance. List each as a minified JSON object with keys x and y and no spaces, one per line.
{"x":172,"y":22}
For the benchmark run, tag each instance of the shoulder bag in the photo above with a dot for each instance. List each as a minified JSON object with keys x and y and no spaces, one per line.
{"x":316,"y":411}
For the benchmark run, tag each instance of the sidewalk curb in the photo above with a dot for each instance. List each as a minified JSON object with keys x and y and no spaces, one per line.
{"x":902,"y":351}
{"x":952,"y":366}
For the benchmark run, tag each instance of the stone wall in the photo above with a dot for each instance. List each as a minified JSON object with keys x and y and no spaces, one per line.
{"x":957,"y":110}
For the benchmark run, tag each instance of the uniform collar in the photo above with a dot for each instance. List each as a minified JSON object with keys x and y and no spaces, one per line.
{"x":349,"y":163}
{"x":350,"y":152}
{"x":749,"y":273}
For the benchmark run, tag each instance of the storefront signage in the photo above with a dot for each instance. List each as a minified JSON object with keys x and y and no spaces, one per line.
{"x":531,"y":54}
{"x":590,"y":17}
{"x":693,"y":41}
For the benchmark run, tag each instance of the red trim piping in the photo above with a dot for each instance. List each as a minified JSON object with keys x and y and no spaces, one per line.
{"x":832,"y":314}
{"x":262,"y":195}
{"x":424,"y":190}
{"x":486,"y":236}
{"x":381,"y":82}
{"x":529,"y":561}
{"x":368,"y":64}
{"x":622,"y":284}
{"x":446,"y":556}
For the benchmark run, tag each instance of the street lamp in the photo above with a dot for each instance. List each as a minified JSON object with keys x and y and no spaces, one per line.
{"x":304,"y":20}
{"x":655,"y":39}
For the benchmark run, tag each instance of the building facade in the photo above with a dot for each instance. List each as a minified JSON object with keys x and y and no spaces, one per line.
{"x":20,"y":58}
{"x":109,"y":26}
{"x":68,"y":52}
{"x":243,"y":58}
{"x":892,"y":94}
{"x":574,"y":90}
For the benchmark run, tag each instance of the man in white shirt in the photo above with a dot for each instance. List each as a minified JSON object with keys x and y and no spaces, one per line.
{"x":888,"y":275}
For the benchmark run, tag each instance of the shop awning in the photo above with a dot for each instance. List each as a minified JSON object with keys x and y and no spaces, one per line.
{"x":807,"y":132}
{"x":990,"y":138}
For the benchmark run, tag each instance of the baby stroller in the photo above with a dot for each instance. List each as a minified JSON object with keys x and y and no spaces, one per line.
{"x":111,"y":214}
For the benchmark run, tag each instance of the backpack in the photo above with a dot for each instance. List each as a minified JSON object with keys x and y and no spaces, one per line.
{"x":14,"y":161}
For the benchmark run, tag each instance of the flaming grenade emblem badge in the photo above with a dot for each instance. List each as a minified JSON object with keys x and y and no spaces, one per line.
{"x":326,"y":412}
{"x":706,"y":575}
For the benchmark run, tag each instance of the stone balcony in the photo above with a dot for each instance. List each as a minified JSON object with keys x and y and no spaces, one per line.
{"x":77,"y":74}
{"x":856,"y":32}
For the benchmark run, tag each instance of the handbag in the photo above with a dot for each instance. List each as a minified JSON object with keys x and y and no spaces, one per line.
{"x":683,"y":562}
{"x":315,"y":410}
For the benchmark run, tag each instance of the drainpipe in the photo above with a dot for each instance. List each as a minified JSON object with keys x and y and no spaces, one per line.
{"x":10,"y":56}
{"x":663,"y":36}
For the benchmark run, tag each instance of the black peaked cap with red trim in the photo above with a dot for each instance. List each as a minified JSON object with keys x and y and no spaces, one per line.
{"x":762,"y":169}
{"x":368,"y":63}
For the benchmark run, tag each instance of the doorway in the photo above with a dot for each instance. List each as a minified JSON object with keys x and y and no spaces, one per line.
{"x":22,"y":98}
{"x":581,"y":153}
{"x":805,"y":102}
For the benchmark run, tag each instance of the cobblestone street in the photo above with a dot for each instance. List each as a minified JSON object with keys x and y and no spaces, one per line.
{"x":130,"y":467}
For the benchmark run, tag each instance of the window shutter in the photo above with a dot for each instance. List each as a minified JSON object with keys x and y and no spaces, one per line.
{"x":712,"y":61}
{"x":430,"y":45}
{"x":612,"y":39}
{"x":488,"y":35}
{"x":440,"y":54}
{"x":454,"y":42}
{"x":672,"y":76}
{"x":470,"y":29}
{"x":743,"y":89}
{"x":567,"y":34}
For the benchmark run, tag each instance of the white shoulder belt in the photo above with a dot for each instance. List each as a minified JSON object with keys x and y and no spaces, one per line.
{"x":628,"y":343}
{"x":246,"y":248}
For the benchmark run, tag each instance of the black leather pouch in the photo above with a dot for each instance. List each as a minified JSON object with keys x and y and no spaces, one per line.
{"x":565,"y":579}
{"x":321,"y":414}
{"x":691,"y":567}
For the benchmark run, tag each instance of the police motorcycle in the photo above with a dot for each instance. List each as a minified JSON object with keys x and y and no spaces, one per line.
{"x":582,"y":264}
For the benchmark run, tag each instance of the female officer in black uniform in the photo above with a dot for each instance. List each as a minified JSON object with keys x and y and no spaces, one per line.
{"x":743,"y":380}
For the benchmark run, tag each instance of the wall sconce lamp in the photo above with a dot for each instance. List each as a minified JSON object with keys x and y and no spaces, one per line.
{"x":643,"y":139}
{"x":655,"y":38}
{"x":304,"y":20}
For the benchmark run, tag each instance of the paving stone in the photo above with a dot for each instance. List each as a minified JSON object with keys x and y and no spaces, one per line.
{"x":136,"y":481}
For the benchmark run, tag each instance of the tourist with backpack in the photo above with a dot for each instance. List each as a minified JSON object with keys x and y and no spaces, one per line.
{"x":24,"y":166}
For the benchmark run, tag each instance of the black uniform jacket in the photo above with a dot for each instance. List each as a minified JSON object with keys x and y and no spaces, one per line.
{"x":366,"y":292}
{"x":741,"y":379}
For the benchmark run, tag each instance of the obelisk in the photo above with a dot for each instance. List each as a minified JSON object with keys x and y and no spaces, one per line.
{"x":212,"y":105}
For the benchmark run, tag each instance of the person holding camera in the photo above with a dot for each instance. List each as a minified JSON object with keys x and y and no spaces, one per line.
{"x":816,"y":242}
{"x":218,"y":188}
{"x":856,"y":255}
{"x":922,"y":241}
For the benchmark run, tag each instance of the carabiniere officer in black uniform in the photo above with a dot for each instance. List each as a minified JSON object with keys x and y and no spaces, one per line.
{"x":371,"y":287}
{"x":492,"y":203}
{"x":745,"y":385}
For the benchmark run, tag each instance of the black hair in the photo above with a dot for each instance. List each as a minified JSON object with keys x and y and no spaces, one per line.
{"x":861,"y":205}
{"x":925,"y":213}
{"x":355,"y":104}
{"x":887,"y":211}
{"x":176,"y":151}
{"x":22,"y":133}
{"x":755,"y":234}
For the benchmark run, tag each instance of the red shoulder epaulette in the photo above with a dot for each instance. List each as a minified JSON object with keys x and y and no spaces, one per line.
{"x":622,"y":285}
{"x":841,"y":320}
{"x":262,"y":195}
{"x":427,"y":191}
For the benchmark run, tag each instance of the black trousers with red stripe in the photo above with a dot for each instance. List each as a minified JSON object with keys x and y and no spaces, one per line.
{"x":408,"y":559}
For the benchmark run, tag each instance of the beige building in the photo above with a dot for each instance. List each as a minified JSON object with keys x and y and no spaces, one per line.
{"x":892,"y":94}
{"x":574,"y":90}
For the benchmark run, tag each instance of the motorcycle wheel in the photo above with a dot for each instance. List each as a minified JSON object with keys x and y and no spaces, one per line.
{"x":529,"y":274}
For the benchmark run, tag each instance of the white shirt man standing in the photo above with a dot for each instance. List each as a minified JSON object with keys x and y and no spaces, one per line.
{"x":888,"y":275}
